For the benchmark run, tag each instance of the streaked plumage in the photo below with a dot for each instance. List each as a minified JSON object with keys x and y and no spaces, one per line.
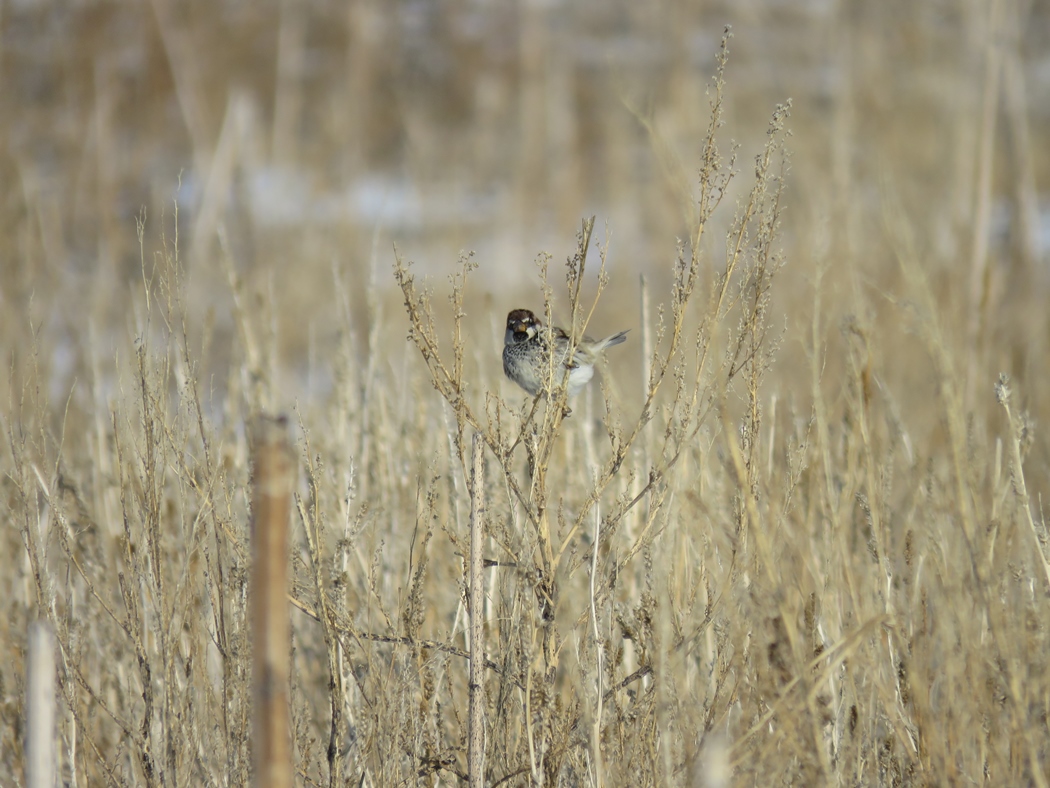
{"x":526,"y":357}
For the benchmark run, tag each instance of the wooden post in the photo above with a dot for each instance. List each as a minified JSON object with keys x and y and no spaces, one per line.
{"x":476,"y":728}
{"x":273,"y":482}
{"x":40,"y":707}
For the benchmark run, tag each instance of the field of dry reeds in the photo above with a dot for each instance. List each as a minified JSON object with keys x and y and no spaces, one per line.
{"x":793,"y":533}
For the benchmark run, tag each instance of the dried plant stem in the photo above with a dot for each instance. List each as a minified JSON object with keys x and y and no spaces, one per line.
{"x":599,"y":666}
{"x":1024,"y":167}
{"x":1002,"y":392}
{"x":326,"y":617}
{"x":476,"y":733}
{"x":40,"y":707}
{"x":982,"y":219}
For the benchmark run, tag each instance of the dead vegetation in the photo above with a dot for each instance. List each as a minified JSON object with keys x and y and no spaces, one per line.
{"x":794,"y":536}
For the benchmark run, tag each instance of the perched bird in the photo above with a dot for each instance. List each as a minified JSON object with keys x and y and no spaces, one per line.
{"x":527,"y":357}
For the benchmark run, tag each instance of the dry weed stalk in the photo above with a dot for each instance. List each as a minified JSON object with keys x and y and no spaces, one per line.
{"x":700,"y":354}
{"x":40,"y":750}
{"x":476,"y":728}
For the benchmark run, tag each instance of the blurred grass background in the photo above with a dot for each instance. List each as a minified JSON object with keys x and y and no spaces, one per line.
{"x":201,"y":208}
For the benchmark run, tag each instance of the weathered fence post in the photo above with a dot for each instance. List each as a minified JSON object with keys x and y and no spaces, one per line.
{"x":273,"y":483}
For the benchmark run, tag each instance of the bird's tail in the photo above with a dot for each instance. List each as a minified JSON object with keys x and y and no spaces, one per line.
{"x":615,"y":339}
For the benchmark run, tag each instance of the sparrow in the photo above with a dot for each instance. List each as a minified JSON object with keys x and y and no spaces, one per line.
{"x":527,"y":358}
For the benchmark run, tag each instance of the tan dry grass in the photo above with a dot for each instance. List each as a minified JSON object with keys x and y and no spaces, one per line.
{"x":822,"y":560}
